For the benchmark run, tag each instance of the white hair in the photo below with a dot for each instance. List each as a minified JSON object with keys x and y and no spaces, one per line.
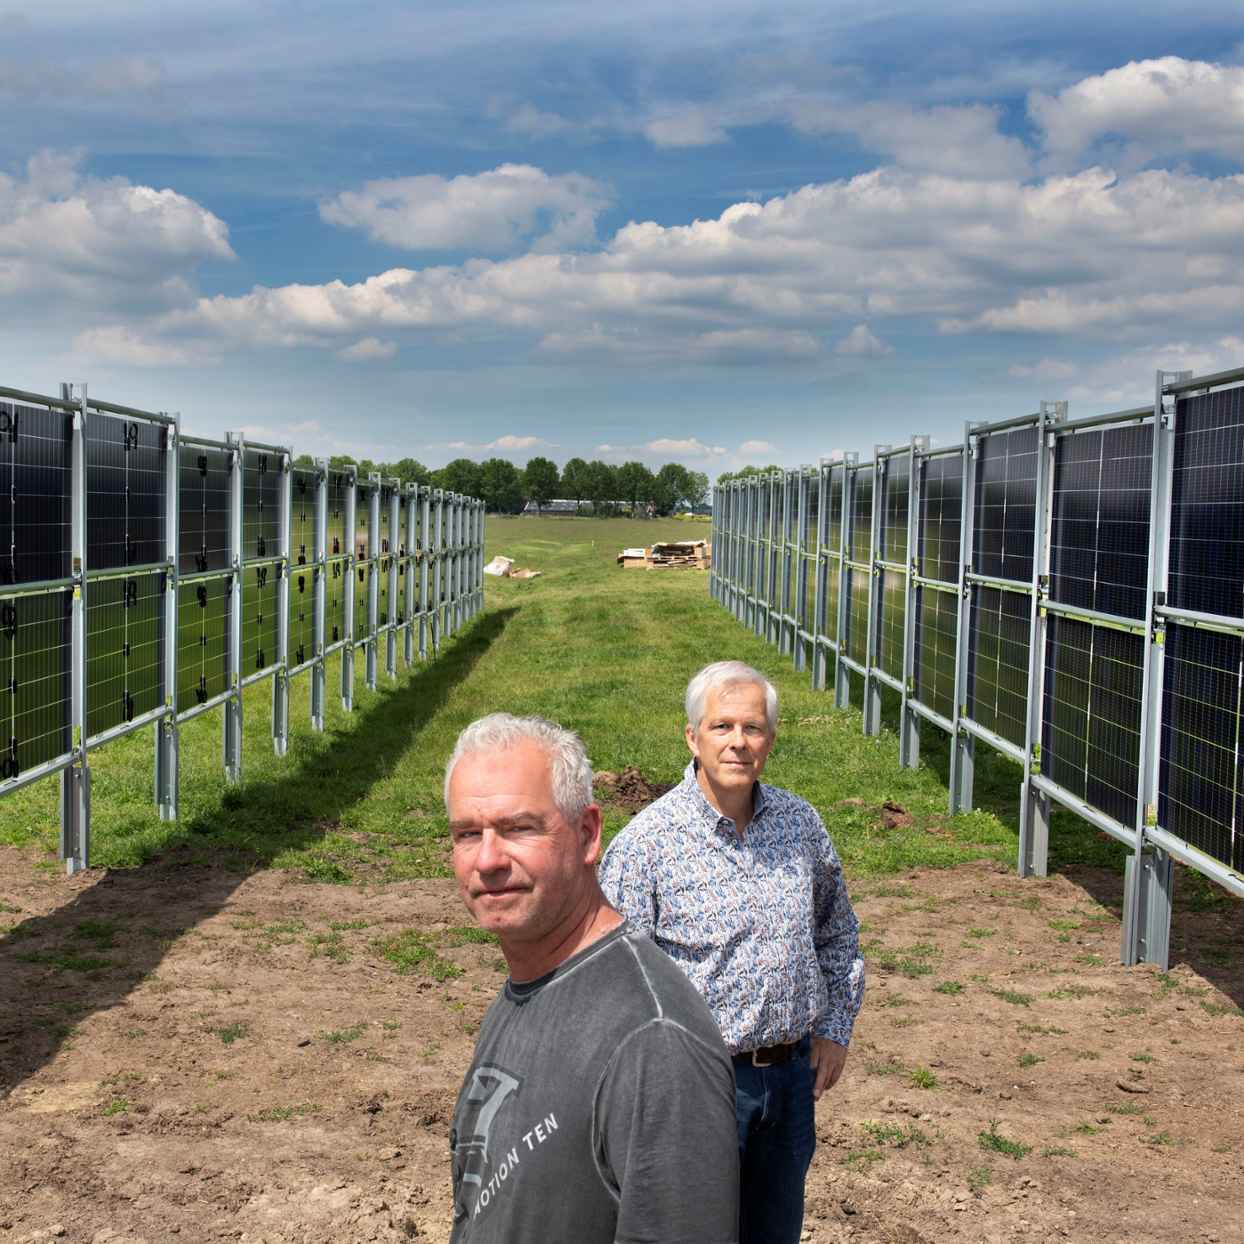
{"x":570,"y":769}
{"x":723,"y":674}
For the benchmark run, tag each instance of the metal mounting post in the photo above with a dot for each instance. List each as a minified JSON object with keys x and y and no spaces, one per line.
{"x":395,"y":538}
{"x":846,"y":533}
{"x":872,"y":686}
{"x":408,"y":587}
{"x":425,"y":522}
{"x":231,"y":741}
{"x":373,"y":578}
{"x":75,"y":781}
{"x":909,"y":721}
{"x":438,"y":521}
{"x":319,"y":603}
{"x":1148,"y":878}
{"x":167,"y":749}
{"x":963,"y":744}
{"x":820,"y":653}
{"x":347,"y":602}
{"x":280,"y":682}
{"x":797,"y":493}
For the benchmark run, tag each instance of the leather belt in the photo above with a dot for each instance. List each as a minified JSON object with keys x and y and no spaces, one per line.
{"x":768,"y":1055}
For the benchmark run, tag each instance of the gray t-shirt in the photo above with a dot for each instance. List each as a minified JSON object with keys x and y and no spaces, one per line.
{"x":599,"y":1108}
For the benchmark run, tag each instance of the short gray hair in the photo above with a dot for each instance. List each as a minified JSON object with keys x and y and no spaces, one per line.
{"x":570,"y":768}
{"x":723,"y":674}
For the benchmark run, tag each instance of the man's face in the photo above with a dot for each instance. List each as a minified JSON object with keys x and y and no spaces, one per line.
{"x":521,"y":868}
{"x":733,"y":740}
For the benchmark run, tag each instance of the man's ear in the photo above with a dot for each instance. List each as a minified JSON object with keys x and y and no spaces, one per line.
{"x":589,"y":833}
{"x":692,"y":742}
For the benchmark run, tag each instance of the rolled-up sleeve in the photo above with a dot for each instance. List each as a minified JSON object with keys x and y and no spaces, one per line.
{"x":836,"y":936}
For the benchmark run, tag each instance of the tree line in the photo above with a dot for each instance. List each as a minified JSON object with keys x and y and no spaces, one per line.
{"x":506,"y":488}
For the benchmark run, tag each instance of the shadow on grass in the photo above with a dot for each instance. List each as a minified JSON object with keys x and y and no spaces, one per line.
{"x":54,"y":973}
{"x":1207,"y":923}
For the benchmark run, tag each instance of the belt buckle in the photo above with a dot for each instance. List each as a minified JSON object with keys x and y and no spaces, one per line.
{"x":756,"y":1062}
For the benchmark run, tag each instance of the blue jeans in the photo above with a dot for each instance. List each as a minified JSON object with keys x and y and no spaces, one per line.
{"x":777,"y":1134}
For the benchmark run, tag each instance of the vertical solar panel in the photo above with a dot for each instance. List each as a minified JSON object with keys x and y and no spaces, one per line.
{"x":124,"y":492}
{"x":261,"y":505}
{"x":382,"y":607}
{"x":1200,"y":781}
{"x":941,"y":506}
{"x":829,"y":619}
{"x":897,"y":492}
{"x":124,"y":649}
{"x":302,"y":613}
{"x":35,"y":664}
{"x":35,"y":488}
{"x":998,"y":664}
{"x":336,"y":588}
{"x":937,"y":635}
{"x":385,"y":538}
{"x":1090,"y":739}
{"x":260,"y":619}
{"x":202,"y":640}
{"x":202,"y":508}
{"x":363,"y":543}
{"x":836,"y":474}
{"x":862,"y":515}
{"x":1099,"y":527}
{"x":304,"y":484}
{"x":361,"y":630}
{"x":892,"y":640}
{"x":338,"y":508}
{"x":857,"y":617}
{"x":1207,"y":505}
{"x":1006,"y":501}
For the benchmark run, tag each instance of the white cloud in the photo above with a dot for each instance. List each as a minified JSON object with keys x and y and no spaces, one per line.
{"x":530,"y":120}
{"x":368,"y":350}
{"x":85,"y":241}
{"x":1125,"y":380}
{"x":490,"y":212}
{"x":685,"y":127}
{"x":860,"y":340}
{"x":689,"y":447}
{"x":757,"y":448}
{"x":1043,"y":369}
{"x":119,"y":344}
{"x":1167,"y":106}
{"x":518,"y":442}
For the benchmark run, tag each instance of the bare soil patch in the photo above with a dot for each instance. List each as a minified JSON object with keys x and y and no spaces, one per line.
{"x":192,"y":1054}
{"x":629,"y":789}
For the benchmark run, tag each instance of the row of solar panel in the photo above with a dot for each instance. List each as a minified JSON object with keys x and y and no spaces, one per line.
{"x":1099,"y":498}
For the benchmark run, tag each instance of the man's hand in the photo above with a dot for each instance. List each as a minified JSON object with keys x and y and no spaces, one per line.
{"x":828,"y":1060}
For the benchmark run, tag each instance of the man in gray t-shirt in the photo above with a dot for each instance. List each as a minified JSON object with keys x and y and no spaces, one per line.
{"x":600,"y":1103}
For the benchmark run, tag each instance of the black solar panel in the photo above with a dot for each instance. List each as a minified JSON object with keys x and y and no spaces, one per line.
{"x":338,"y":506}
{"x":362,"y":523}
{"x":998,"y":662}
{"x":124,"y":649}
{"x":1090,"y":742}
{"x":361,"y":627}
{"x":303,"y":490}
{"x":35,"y":660}
{"x":1099,"y":541}
{"x":835,"y":506}
{"x":897,"y":493}
{"x":260,"y":619}
{"x":857,"y":618}
{"x":35,"y":482}
{"x":829,"y":626}
{"x":124,"y":492}
{"x":301,"y":613}
{"x":202,"y":508}
{"x":937,"y":615}
{"x":941,"y":507}
{"x":382,"y":576}
{"x":202,"y":640}
{"x":336,"y":589}
{"x":811,"y":515}
{"x":1006,"y":495}
{"x":1200,"y":777}
{"x":1207,"y":505}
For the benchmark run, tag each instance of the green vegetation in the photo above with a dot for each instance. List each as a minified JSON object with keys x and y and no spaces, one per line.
{"x":1029,"y":1059}
{"x":412,"y":951}
{"x":232,"y":1032}
{"x":894,"y":1135}
{"x":343,"y":1036}
{"x":994,"y":1142}
{"x":953,"y":988}
{"x":923,"y":1078}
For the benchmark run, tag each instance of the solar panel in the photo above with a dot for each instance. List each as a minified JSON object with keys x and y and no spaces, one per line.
{"x":1200,"y":775}
{"x":829,"y":624}
{"x":361,"y":628}
{"x":1099,"y":534}
{"x":811,"y":515}
{"x":893,"y":614}
{"x":941,"y":506}
{"x":836,"y":474}
{"x":124,"y":649}
{"x":261,"y":505}
{"x":998,"y":662}
{"x":384,"y":538}
{"x":35,"y":489}
{"x":857,"y":617}
{"x":202,"y":640}
{"x":1090,"y":741}
{"x":302,"y":613}
{"x":338,"y":508}
{"x":1006,"y":497}
{"x":897,"y":493}
{"x":1206,"y":571}
{"x":382,"y":609}
{"x":937,"y":629}
{"x":202,"y":508}
{"x":124,"y":492}
{"x":862,"y":514}
{"x":260,"y":619}
{"x":35,"y":663}
{"x":336,"y":588}
{"x":304,"y":486}
{"x":362,"y":523}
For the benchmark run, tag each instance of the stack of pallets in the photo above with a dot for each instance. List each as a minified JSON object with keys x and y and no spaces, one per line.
{"x":683,"y":554}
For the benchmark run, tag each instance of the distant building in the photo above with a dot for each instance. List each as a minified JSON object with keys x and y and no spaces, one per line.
{"x":559,"y":506}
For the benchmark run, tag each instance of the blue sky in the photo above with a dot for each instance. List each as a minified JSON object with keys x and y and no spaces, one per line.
{"x":710,"y":233}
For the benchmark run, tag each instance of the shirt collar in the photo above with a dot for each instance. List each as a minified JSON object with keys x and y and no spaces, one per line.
{"x":708,"y":813}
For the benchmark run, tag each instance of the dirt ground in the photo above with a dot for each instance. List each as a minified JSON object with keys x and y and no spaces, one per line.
{"x":192,"y":1054}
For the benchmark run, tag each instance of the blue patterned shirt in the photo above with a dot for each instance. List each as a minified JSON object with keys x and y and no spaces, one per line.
{"x":763,"y":927}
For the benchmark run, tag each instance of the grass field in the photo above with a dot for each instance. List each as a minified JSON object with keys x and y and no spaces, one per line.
{"x":603,"y":650}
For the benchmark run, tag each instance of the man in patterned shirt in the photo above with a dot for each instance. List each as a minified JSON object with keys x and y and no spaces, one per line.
{"x":740,"y":885}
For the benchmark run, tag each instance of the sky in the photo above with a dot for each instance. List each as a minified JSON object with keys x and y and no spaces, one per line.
{"x":712,"y":233}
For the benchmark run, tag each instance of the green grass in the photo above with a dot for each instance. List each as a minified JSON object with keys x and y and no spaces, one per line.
{"x":923,"y":1078}
{"x":413,"y":952}
{"x":993,"y":1142}
{"x":362,"y":801}
{"x":951,"y":988}
{"x":232,"y":1032}
{"x":895,"y":1135}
